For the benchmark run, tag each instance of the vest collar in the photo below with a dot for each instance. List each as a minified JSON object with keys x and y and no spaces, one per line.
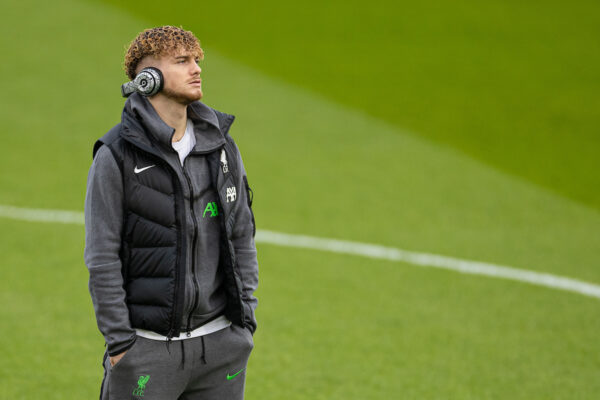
{"x":139,"y":116}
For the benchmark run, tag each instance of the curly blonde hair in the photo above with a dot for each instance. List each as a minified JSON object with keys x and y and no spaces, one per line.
{"x":158,"y":42}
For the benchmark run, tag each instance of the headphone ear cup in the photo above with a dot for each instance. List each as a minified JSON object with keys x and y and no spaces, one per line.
{"x":149,"y":81}
{"x":158,"y":78}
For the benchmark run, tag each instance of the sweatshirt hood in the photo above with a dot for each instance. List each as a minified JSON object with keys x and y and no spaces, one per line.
{"x":139,"y":116}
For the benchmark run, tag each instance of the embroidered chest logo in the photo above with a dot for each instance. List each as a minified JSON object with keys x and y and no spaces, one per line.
{"x":224,"y":162}
{"x":231,"y":194}
{"x":141,"y":385}
{"x":212,"y":209}
{"x":138,"y":170}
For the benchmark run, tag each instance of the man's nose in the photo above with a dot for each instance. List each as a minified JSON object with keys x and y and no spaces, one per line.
{"x":196,"y":69}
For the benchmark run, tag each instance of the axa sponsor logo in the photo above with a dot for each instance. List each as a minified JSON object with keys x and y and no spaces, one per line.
{"x":211,"y":209}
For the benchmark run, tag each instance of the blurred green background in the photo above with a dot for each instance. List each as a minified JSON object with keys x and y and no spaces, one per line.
{"x":455,"y":128}
{"x":511,"y":83}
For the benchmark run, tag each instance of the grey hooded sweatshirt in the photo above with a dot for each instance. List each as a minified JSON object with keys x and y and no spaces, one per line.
{"x":204,"y":297}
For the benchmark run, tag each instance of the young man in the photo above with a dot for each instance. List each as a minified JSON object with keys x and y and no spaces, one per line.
{"x":170,"y":237}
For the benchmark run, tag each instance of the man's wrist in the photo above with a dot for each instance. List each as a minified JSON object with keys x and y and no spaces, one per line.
{"x":116,"y":350}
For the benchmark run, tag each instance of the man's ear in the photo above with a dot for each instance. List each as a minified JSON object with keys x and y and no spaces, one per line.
{"x":147,"y":61}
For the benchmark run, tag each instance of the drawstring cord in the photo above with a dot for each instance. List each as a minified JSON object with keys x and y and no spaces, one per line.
{"x":182,"y":355}
{"x":203,"y":357}
{"x":203,"y":350}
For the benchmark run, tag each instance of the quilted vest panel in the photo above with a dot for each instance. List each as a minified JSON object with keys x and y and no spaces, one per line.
{"x":150,"y":241}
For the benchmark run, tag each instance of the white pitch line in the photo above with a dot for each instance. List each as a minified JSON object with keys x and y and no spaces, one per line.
{"x":39,"y":215}
{"x":357,"y":249}
{"x":429,"y":260}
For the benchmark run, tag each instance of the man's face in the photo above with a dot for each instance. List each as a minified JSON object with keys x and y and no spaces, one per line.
{"x":181,"y":74}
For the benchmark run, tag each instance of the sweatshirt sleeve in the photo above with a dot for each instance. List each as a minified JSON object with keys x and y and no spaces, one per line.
{"x":103,"y":225}
{"x":245,"y":248}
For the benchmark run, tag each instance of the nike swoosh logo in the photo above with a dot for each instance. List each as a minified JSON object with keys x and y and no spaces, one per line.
{"x":230,"y":377}
{"x":138,"y":170}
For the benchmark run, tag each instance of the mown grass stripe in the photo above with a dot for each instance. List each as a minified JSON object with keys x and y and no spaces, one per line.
{"x":357,"y":249}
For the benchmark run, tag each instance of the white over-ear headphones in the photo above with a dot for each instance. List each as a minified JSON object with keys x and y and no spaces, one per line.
{"x":148,"y":82}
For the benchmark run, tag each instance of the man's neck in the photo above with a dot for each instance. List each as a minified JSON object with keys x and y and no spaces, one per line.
{"x":172,"y":113}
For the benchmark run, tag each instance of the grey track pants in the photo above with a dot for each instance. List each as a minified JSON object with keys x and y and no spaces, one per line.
{"x":209,"y":367}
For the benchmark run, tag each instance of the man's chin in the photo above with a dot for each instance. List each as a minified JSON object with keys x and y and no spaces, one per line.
{"x":184,"y":98}
{"x":190,"y":99}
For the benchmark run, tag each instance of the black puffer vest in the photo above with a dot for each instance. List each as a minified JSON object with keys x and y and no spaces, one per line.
{"x":153,"y":247}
